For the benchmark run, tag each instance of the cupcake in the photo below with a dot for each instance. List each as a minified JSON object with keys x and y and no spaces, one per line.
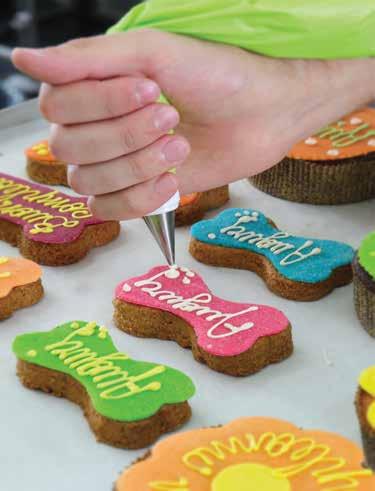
{"x":42,"y":166}
{"x":334,"y":166}
{"x":365,"y":404}
{"x":364,"y":283}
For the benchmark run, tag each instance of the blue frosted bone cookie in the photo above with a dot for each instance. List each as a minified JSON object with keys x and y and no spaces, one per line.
{"x":297,"y":268}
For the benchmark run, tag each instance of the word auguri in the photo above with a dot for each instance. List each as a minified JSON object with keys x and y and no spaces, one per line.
{"x":199,"y":305}
{"x":272,"y":242}
{"x":112,"y":381}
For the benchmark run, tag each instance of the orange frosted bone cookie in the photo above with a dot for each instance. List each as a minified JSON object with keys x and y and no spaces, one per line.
{"x":334,"y":166}
{"x":193,"y":206}
{"x":42,"y":166}
{"x":20,"y":284}
{"x":251,"y":454}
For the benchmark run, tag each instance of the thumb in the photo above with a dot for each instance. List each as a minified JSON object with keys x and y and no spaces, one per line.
{"x":95,"y":58}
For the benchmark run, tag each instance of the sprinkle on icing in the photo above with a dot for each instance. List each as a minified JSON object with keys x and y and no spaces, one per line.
{"x":270,"y":454}
{"x":120,"y":388}
{"x":371,"y":142}
{"x":367,"y":383}
{"x":222,"y":328}
{"x":41,"y":151}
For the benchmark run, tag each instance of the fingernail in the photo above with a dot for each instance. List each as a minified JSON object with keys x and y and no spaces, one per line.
{"x":147,"y":91}
{"x":166,"y":184}
{"x":166,"y":118}
{"x":30,"y":51}
{"x":176,"y":151}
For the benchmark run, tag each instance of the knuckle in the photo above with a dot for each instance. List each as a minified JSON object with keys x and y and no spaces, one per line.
{"x":76,"y":180}
{"x":56,"y":141}
{"x":137,"y":170}
{"x":96,"y":207}
{"x":47,"y":104}
{"x":128,"y":139}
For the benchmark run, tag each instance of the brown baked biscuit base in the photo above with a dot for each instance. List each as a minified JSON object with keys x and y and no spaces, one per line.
{"x":132,"y":435}
{"x":46,"y":173}
{"x":208,"y":200}
{"x":241,"y":259}
{"x":344,"y":181}
{"x":364,"y":298}
{"x":146,"y":322}
{"x":21,"y":297}
{"x":59,"y":254}
{"x":362,"y":403}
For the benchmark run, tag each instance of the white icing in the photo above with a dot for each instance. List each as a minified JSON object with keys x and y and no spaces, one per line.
{"x":311,"y":141}
{"x":355,"y":121}
{"x":211,"y":236}
{"x":172,"y":273}
{"x":190,"y":274}
{"x":333,"y":152}
{"x":127,"y":288}
{"x":371,"y":142}
{"x":199,"y":305}
{"x":186,"y":281}
{"x":277,"y":247}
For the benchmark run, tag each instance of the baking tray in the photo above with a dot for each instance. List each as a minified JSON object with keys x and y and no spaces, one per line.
{"x":45,"y":442}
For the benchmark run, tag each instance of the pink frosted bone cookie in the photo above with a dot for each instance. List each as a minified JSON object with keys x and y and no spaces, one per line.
{"x":175,"y":304}
{"x":47,"y":226}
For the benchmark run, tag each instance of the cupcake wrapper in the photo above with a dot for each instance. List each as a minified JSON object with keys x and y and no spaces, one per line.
{"x":348,"y":181}
{"x":369,"y":448}
{"x":364,"y":300}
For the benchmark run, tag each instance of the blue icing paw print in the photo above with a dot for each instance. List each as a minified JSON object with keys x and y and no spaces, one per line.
{"x":296,"y":258}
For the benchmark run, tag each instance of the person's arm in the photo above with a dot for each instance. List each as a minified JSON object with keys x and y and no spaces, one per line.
{"x":240,"y":113}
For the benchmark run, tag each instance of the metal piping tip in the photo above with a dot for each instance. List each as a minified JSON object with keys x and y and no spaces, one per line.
{"x":162,"y":227}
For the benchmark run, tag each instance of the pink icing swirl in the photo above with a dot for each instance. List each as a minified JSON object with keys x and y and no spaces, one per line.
{"x":222,"y":328}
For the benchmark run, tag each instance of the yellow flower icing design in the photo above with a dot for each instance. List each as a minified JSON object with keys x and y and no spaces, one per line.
{"x":367,"y":383}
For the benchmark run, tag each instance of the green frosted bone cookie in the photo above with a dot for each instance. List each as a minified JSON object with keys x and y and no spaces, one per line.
{"x":120,"y":388}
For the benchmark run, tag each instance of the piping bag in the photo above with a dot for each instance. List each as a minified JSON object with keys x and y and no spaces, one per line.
{"x":310,"y":29}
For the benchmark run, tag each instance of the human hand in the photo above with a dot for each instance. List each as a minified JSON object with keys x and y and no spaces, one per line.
{"x":239,"y":112}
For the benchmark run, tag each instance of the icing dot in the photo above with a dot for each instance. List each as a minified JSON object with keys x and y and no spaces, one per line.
{"x":42,"y":151}
{"x":371,"y":142}
{"x":372,"y":253}
{"x":186,"y":281}
{"x":74,"y":325}
{"x":127,"y":288}
{"x":246,"y":212}
{"x":190,"y":274}
{"x":311,"y":141}
{"x":211,"y":236}
{"x":238,"y":215}
{"x":3,"y":259}
{"x":333,"y":152}
{"x":172,"y":273}
{"x":103,"y":331}
{"x":5,"y":275}
{"x":184,"y":269}
{"x":32,"y":353}
{"x":355,"y":121}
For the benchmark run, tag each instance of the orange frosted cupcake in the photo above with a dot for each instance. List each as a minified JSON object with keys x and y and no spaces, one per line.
{"x":365,"y":404}
{"x":335,"y":166}
{"x":250,"y":454}
{"x":44,"y":167}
